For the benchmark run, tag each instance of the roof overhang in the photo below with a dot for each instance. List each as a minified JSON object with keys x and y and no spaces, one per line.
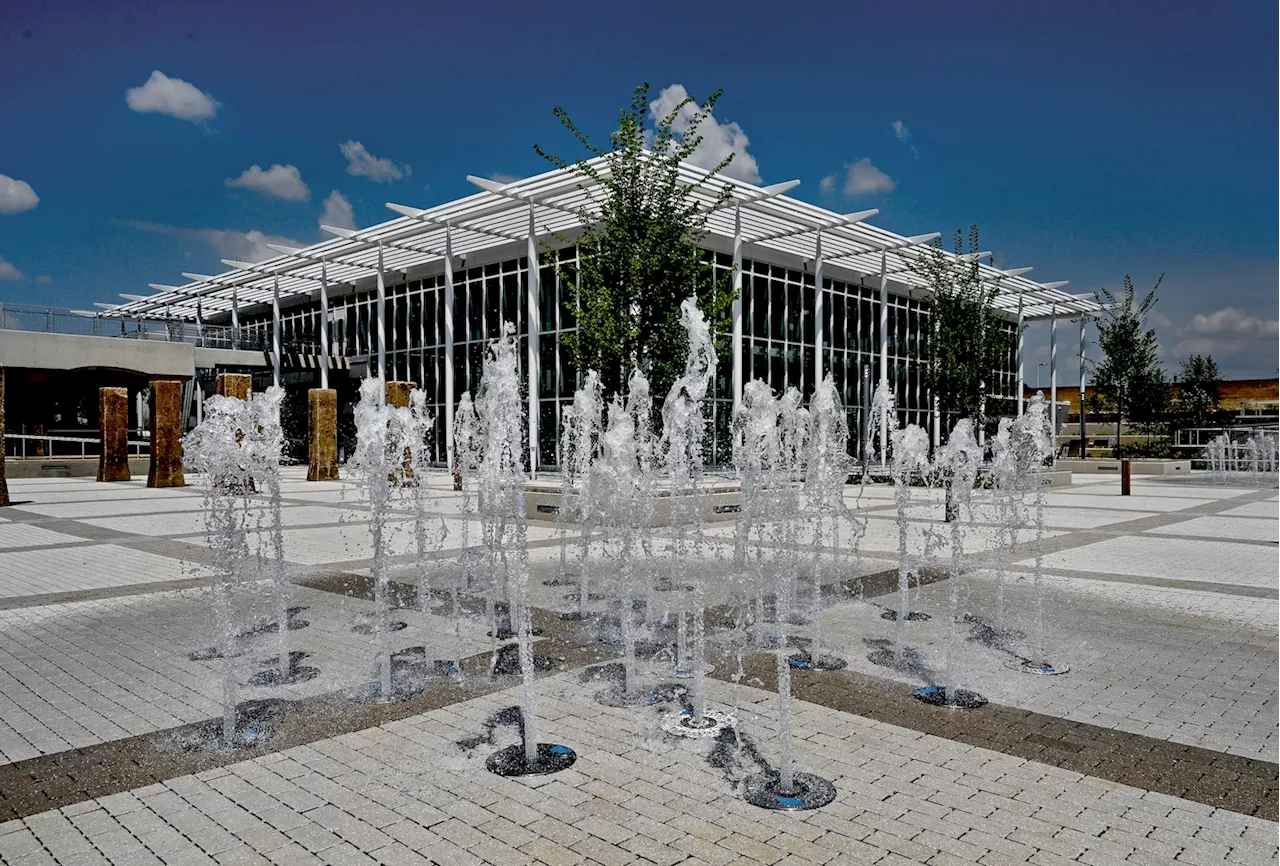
{"x":562,"y":202}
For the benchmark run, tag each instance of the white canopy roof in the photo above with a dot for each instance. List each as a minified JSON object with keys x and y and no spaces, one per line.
{"x":499,"y":215}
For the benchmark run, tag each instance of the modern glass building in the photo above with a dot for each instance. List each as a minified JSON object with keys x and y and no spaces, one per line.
{"x":418,"y":298}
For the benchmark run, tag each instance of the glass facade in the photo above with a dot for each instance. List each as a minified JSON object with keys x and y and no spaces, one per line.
{"x":779,"y":329}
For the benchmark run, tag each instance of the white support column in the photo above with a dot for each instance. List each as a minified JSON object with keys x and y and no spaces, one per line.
{"x":382,"y":318}
{"x":275,"y":332}
{"x":1083,"y":322}
{"x":884,"y":354}
{"x":1021,"y":345}
{"x":1053,"y":375}
{"x":199,"y":325}
{"x":738,"y":359}
{"x":935,"y":415}
{"x":235,"y":320}
{"x":535,"y":329}
{"x":422,"y":341}
{"x":407,"y":342}
{"x":819,"y":312}
{"x":448,"y":344}
{"x":324,"y":325}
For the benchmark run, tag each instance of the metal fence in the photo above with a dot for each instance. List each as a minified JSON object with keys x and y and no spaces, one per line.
{"x":1201,"y":437}
{"x":25,"y":446}
{"x":54,"y":320}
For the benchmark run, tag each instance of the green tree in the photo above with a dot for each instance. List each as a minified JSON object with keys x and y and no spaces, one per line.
{"x":1130,"y":374}
{"x":638,"y":255}
{"x":1198,"y":396}
{"x":967,"y":341}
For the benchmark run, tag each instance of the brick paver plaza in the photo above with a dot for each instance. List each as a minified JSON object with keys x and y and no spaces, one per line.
{"x":1158,"y":747}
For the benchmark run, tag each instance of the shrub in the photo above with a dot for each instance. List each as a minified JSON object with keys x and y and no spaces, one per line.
{"x":1158,"y":449}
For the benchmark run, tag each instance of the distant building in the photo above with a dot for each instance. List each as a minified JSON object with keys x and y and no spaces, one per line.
{"x":1246,"y":396}
{"x":418,"y":298}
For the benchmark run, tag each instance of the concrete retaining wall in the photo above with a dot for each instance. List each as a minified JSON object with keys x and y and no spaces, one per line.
{"x":543,"y":503}
{"x":1137,"y":467}
{"x":40,"y":351}
{"x":66,"y":467}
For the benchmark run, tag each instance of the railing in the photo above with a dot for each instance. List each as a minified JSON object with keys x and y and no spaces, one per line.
{"x":46,"y":444}
{"x":56,"y":320}
{"x":225,"y":337}
{"x":1200,"y":437}
{"x":52,"y":320}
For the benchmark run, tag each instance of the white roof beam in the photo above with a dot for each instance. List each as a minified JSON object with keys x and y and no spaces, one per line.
{"x":311,"y":258}
{"x":395,"y":245}
{"x":421,"y":216}
{"x":506,"y":191}
{"x":846,"y":220}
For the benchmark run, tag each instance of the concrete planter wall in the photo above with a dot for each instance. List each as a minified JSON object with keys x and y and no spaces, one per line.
{"x":722,"y":502}
{"x":1137,"y":467}
{"x":68,"y":467}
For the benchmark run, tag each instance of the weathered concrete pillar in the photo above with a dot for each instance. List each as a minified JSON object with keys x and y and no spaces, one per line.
{"x":37,"y":446}
{"x":166,"y":434}
{"x":113,"y":430}
{"x":397,"y":395}
{"x":322,"y":434}
{"x":4,"y":485}
{"x":235,"y":385}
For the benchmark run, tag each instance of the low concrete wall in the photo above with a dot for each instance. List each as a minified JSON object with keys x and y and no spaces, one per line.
{"x":1057,"y":477}
{"x":207,"y":359}
{"x":40,"y":351}
{"x":544,"y":502}
{"x":66,"y":467}
{"x":1137,"y":467}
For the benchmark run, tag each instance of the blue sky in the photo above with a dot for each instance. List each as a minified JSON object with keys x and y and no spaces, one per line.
{"x":1089,"y":140}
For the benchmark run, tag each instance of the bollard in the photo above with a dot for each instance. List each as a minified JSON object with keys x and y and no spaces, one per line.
{"x":235,"y":385}
{"x":166,"y":434}
{"x":322,"y":434}
{"x":1126,"y":470}
{"x":113,"y":433}
{"x":396,"y":393}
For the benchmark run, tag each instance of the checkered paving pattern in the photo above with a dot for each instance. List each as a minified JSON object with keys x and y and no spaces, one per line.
{"x":1194,"y":663}
{"x":406,"y":793}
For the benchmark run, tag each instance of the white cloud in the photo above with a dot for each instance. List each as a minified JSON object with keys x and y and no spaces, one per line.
{"x":250,"y":246}
{"x":861,"y":178}
{"x":16,"y":196}
{"x":337,"y":212}
{"x":280,"y":181}
{"x":8,"y":271}
{"x":44,"y":279}
{"x":1229,"y":332}
{"x":718,"y":139}
{"x":361,"y":163}
{"x":172,"y":96}
{"x":903,"y":135}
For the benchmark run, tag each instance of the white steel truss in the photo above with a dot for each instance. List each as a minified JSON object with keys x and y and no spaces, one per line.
{"x":559,"y":201}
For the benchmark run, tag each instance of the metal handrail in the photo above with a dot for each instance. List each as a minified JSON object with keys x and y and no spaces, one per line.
{"x":23,"y":438}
